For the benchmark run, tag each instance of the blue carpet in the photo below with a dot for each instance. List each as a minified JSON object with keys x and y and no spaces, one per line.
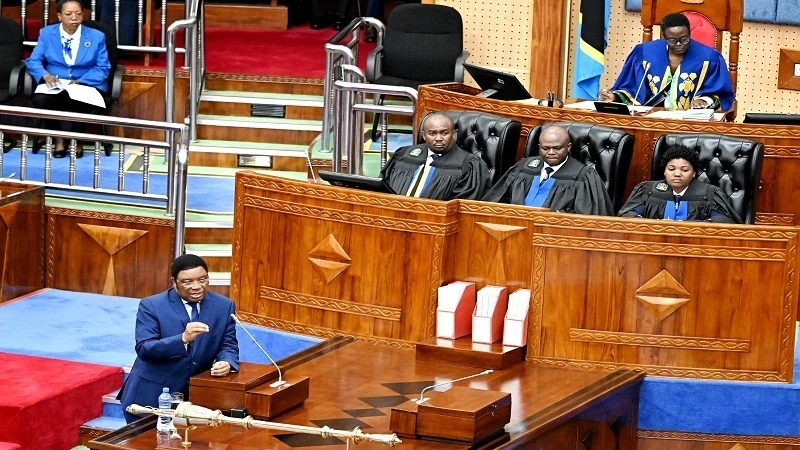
{"x":205,"y":193}
{"x":722,"y":407}
{"x":99,"y":329}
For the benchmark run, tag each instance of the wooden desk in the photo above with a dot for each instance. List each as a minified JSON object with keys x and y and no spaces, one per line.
{"x":21,"y":239}
{"x":780,"y":174}
{"x":357,"y":383}
{"x":606,"y":292}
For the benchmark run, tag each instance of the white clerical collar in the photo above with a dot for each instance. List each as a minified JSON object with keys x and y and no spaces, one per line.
{"x":681,"y":192}
{"x":555,"y":168}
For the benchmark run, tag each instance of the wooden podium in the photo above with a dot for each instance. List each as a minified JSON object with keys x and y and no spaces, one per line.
{"x":250,"y":388}
{"x":459,"y":414}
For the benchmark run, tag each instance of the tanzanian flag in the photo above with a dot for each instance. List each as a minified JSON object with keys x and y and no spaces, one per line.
{"x":592,"y":39}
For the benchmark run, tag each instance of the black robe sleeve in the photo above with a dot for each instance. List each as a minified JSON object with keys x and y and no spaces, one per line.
{"x":721,"y":209}
{"x":474,"y":179}
{"x":400,"y":169}
{"x":635,"y":205}
{"x":579,"y":189}
{"x":513,"y":186}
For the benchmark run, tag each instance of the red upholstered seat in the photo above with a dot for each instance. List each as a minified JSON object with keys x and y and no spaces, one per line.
{"x":701,"y":27}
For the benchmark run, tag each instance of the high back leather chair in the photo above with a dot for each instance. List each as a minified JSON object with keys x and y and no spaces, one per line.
{"x":607,"y":150}
{"x":495,"y":138}
{"x":723,"y":15}
{"x":733,"y":164}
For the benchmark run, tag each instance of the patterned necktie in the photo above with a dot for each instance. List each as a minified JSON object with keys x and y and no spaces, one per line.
{"x":68,"y":47}
{"x":423,"y":176}
{"x":195,"y":312}
{"x":548,"y":171}
{"x":677,"y":202}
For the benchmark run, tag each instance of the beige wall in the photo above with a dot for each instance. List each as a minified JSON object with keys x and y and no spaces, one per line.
{"x":498,"y":35}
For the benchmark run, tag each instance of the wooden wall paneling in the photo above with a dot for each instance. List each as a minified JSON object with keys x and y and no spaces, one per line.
{"x":329,"y":260}
{"x":118,"y":255}
{"x":596,"y":305}
{"x":670,"y":440}
{"x":780,"y":177}
{"x":22,"y":226}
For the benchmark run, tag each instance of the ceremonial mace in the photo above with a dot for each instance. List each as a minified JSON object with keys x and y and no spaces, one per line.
{"x":195,"y":415}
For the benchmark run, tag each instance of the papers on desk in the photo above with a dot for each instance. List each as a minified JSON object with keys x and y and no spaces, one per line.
{"x":528,"y":101}
{"x":587,"y":105}
{"x":78,"y":92}
{"x":691,"y":114}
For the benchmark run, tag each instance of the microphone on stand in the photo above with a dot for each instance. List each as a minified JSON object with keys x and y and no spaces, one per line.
{"x":280,"y":381}
{"x":422,"y":398}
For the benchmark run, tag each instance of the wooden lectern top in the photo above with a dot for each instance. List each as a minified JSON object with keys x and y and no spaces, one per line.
{"x":248,"y":377}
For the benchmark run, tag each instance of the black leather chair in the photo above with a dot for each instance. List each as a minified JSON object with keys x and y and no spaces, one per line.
{"x":607,"y":150}
{"x":10,"y":62}
{"x":495,"y":138}
{"x":114,"y":76}
{"x":733,"y":164}
{"x":423,"y":44}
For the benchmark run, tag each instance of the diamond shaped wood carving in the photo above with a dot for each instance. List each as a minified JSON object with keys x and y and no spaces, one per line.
{"x":329,"y":258}
{"x":663,"y":295}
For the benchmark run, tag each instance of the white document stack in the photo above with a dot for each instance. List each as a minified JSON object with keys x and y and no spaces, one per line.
{"x":515,"y":328}
{"x":490,"y":308}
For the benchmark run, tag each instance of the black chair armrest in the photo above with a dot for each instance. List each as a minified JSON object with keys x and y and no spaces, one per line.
{"x":15,"y":81}
{"x":116,"y":84}
{"x":28,"y":83}
{"x":374,"y":64}
{"x":459,"y":75}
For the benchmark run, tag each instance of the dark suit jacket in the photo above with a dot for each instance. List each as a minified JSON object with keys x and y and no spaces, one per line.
{"x":163,"y":360}
{"x":91,"y":63}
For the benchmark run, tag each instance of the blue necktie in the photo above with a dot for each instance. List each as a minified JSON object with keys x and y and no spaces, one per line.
{"x":68,"y":47}
{"x":195,"y":312}
{"x":434,"y":156}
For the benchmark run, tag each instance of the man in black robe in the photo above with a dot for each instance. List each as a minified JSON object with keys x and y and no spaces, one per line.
{"x":553,"y":180}
{"x":437,"y":169}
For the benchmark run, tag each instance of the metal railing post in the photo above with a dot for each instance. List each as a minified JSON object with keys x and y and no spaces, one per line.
{"x":182,"y":175}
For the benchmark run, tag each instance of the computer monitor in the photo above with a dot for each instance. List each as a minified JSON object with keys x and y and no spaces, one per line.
{"x":772,"y":118}
{"x":497,"y":85}
{"x":356,"y":182}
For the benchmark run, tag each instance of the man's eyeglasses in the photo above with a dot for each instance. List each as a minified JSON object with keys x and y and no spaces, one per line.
{"x":674,"y":41}
{"x":202,"y":281}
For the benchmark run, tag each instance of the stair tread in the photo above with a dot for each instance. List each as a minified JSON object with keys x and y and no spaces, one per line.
{"x":263,"y":98}
{"x":258,"y":122}
{"x":209,"y":249}
{"x":106,"y":423}
{"x":248,"y":145}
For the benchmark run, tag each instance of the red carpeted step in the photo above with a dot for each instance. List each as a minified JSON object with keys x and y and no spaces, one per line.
{"x":45,"y":401}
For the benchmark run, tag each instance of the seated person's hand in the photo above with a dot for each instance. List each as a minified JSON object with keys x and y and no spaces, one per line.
{"x":607,"y":96}
{"x":193,"y":329}
{"x":50,"y":80}
{"x":220,"y":369}
{"x":699,"y":103}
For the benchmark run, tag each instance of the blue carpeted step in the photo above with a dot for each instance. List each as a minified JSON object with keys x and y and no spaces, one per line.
{"x":112,"y":417}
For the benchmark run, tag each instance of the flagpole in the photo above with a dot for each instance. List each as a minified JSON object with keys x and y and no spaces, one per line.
{"x":567,"y":45}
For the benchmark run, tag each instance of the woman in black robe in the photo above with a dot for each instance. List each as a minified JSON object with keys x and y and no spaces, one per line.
{"x":680,"y":195}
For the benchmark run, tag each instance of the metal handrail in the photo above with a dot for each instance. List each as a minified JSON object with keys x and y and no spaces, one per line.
{"x":351,"y":104}
{"x":337,"y":54}
{"x":176,"y":154}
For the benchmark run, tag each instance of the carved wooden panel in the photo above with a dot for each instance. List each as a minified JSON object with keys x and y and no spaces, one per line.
{"x":605,"y":292}
{"x":108,"y":253}
{"x":337,"y":259}
{"x":675,"y":440}
{"x":21,"y":240}
{"x":780,"y":176}
{"x":645,"y":297}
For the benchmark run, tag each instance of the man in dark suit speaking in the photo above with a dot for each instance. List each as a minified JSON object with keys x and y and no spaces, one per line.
{"x":180,"y":333}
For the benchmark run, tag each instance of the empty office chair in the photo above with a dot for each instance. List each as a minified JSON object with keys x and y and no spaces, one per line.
{"x":733,"y":164}
{"x":495,"y":138}
{"x":423,"y":44}
{"x":607,"y":150}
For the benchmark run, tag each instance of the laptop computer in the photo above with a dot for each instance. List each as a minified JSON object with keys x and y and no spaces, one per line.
{"x":356,"y":182}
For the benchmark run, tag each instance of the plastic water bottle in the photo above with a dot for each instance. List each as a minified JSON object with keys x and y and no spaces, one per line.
{"x":164,"y":424}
